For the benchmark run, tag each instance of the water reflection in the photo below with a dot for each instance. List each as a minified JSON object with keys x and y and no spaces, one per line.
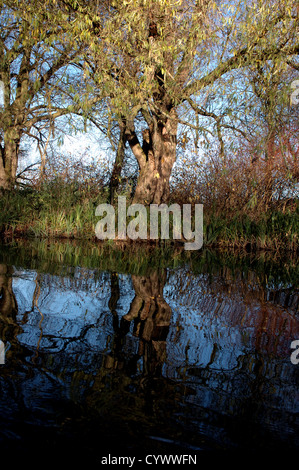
{"x":8,"y":307}
{"x":150,"y":315}
{"x":192,"y":359}
{"x":8,"y":304}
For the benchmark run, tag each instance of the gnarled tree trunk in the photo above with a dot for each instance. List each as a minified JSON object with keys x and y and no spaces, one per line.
{"x":156,"y":158}
{"x":4,"y":179}
{"x":9,"y":158}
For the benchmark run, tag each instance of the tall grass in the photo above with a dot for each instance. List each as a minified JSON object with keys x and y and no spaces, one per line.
{"x":49,"y":212}
{"x":273,"y":231}
{"x":246,"y":206}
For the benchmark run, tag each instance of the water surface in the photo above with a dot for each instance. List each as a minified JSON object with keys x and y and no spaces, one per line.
{"x":144,"y":351}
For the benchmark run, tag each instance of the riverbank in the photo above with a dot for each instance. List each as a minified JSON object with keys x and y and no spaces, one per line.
{"x":142,"y":258}
{"x":70,"y":215}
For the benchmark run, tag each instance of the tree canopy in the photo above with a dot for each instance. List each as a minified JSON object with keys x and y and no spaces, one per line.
{"x":153,"y":58}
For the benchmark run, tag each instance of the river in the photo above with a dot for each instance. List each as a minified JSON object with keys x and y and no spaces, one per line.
{"x":137,"y":351}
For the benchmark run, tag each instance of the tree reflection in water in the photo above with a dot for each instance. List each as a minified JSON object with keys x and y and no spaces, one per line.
{"x":8,"y":307}
{"x":151,"y":316}
{"x":196,"y":359}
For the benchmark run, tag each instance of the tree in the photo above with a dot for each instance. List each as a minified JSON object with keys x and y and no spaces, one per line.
{"x":153,"y":56}
{"x":275,"y":117}
{"x":36,"y":74}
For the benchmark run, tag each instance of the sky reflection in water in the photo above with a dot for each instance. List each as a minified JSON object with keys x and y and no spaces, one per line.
{"x":173,"y":360}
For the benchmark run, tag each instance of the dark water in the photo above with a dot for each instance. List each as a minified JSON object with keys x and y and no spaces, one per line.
{"x":145,"y":352}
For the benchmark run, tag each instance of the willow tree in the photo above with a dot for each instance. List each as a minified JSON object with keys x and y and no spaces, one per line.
{"x":150,"y":57}
{"x":276,"y":121}
{"x":34,"y":76}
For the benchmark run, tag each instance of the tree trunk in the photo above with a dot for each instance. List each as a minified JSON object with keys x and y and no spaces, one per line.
{"x":118,"y":164}
{"x":9,"y":158}
{"x":156,"y":158}
{"x":4,"y":178}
